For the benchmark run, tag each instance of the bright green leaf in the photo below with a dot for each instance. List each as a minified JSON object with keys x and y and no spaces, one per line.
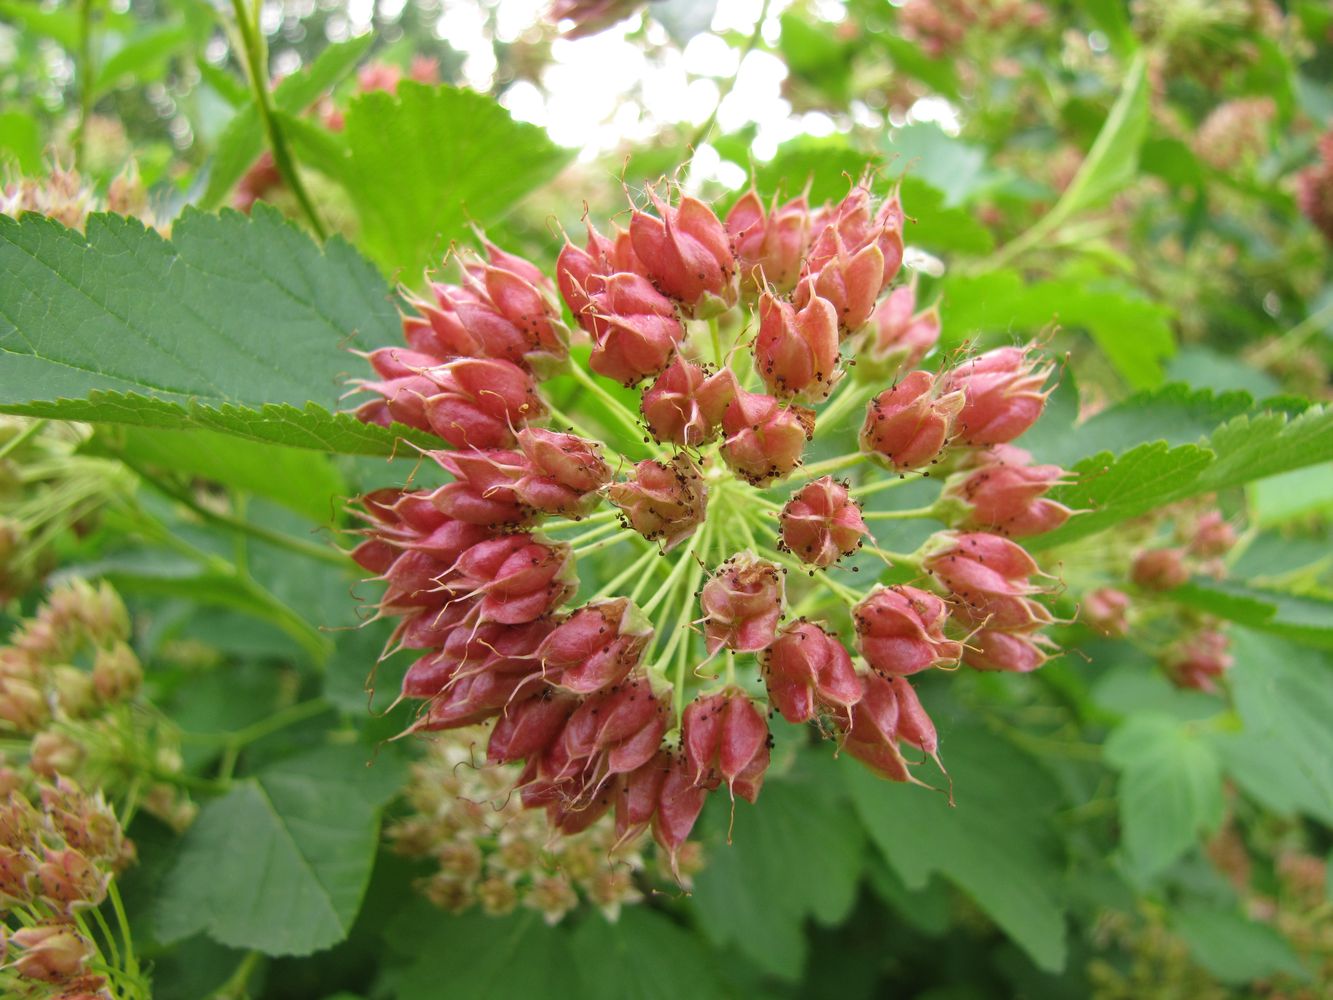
{"x":1235,"y":948}
{"x":143,"y":57}
{"x":1170,"y":790}
{"x":429,"y":160}
{"x":998,"y":844}
{"x":21,"y":141}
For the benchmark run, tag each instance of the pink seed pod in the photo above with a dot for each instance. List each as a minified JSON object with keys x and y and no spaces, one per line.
{"x":915,"y":727}
{"x":1106,"y":610}
{"x":742,"y":603}
{"x":1159,"y":569}
{"x":900,"y":630}
{"x":687,"y":254}
{"x":978,"y":565}
{"x":1197,"y":661}
{"x":70,"y":881}
{"x":1006,"y":499}
{"x":806,"y":668}
{"x":770,"y":246}
{"x":563,"y":474}
{"x":849,"y":282}
{"x":23,"y":705}
{"x":469,"y":698}
{"x":483,"y":488}
{"x":596,"y":646}
{"x":1012,"y":651}
{"x":526,"y":728}
{"x":684,"y":406}
{"x":679,"y":802}
{"x":1004,"y":396}
{"x":615,"y":731}
{"x":518,"y":578}
{"x":821,"y":523}
{"x":871,"y":731}
{"x":725,"y":737}
{"x":763,"y":439}
{"x":907,"y":426}
{"x":52,"y":953}
{"x":635,"y":327}
{"x":899,"y":336}
{"x":479,"y":402}
{"x":856,"y":252}
{"x":796,"y":351}
{"x":18,"y":871}
{"x":1213,"y":537}
{"x":663,"y":503}
{"x":637,"y":795}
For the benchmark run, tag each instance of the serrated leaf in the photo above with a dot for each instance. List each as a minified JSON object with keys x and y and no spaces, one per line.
{"x":279,"y":864}
{"x":998,"y":844}
{"x":642,"y":956}
{"x":788,"y":860}
{"x":1170,"y":790}
{"x":242,"y":140}
{"x":1235,"y":948}
{"x":1284,"y":695}
{"x":240,"y":325}
{"x":425,"y":162}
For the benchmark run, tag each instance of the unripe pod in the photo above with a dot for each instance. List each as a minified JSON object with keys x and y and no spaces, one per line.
{"x":483,"y":488}
{"x":527,"y":727}
{"x":663,"y":502}
{"x":1160,"y":569}
{"x":615,"y":731}
{"x":117,"y":674}
{"x":679,"y":802}
{"x":1004,"y":397}
{"x":54,"y":752}
{"x":907,"y":426}
{"x":1012,"y":651}
{"x":69,"y":880}
{"x":796,"y":351}
{"x":18,"y":871}
{"x":687,"y":254}
{"x":724,"y":736}
{"x":518,"y":578}
{"x":806,"y":668}
{"x":978,"y":566}
{"x":764,"y":440}
{"x":1213,"y":536}
{"x":900,"y":630}
{"x":872,"y":731}
{"x":822,"y":523}
{"x":742,"y":604}
{"x":637,"y":797}
{"x":1197,"y":661}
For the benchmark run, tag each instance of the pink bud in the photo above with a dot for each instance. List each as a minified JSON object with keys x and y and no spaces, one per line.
{"x":915,"y":727}
{"x":899,"y":336}
{"x":769,"y":246}
{"x":518,"y":578}
{"x":564,"y":472}
{"x":1106,"y":610}
{"x":637,"y":797}
{"x":596,"y":646}
{"x":1007,"y":499}
{"x":907,"y":426}
{"x":849,"y":282}
{"x":684,"y":405}
{"x":805,"y":668}
{"x":764,"y":440}
{"x":821,"y":523}
{"x":725,"y":735}
{"x":666,"y":502}
{"x":977,"y":565}
{"x":1159,"y":569}
{"x":615,"y":731}
{"x":483,"y":488}
{"x":1016,"y":652}
{"x":1213,"y":536}
{"x":1004,"y":396}
{"x":635,"y":327}
{"x":796,"y":352}
{"x":872,"y":730}
{"x":480,"y":401}
{"x":679,"y":802}
{"x":687,"y":254}
{"x":526,"y":728}
{"x":1198,"y":660}
{"x":900,"y":630}
{"x":742,"y":603}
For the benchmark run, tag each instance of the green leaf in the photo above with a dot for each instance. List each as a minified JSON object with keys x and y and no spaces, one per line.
{"x":298,"y":478}
{"x":240,"y":325}
{"x":280,"y":863}
{"x":427,"y":161}
{"x":242,"y":140}
{"x":1284,"y":695}
{"x":1292,"y":495}
{"x":142,"y":57}
{"x":947,"y":164}
{"x":1235,"y":948}
{"x":998,"y":845}
{"x":61,"y":24}
{"x":1170,"y":790}
{"x":938,"y":228}
{"x":21,"y":140}
{"x":789,"y":858}
{"x":642,"y":956}
{"x":1304,"y":618}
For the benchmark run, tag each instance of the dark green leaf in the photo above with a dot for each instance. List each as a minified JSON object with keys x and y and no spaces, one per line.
{"x":1235,"y":948}
{"x":642,"y":956}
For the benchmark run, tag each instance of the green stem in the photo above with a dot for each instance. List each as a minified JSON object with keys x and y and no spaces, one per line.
{"x":880,"y":485}
{"x":911,"y":513}
{"x":109,"y":937}
{"x":85,"y":70}
{"x":681,"y":639}
{"x":852,"y":394}
{"x":252,"y":44}
{"x":289,"y":716}
{"x":715,"y":336}
{"x":562,"y":523}
{"x":235,"y":986}
{"x":123,"y":923}
{"x":624,"y":536}
{"x":1294,"y":337}
{"x":18,"y":439}
{"x":639,"y":566}
{"x":593,"y":533}
{"x":686,"y":558}
{"x":621,"y":412}
{"x":817,"y":469}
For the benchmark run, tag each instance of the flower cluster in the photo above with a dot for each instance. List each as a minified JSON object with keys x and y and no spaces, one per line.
{"x":736,"y":333}
{"x":494,"y":854}
{"x":69,"y":684}
{"x":1194,"y":647}
{"x":57,"y":860}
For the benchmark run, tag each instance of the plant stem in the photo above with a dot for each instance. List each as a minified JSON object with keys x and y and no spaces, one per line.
{"x":879,"y":485}
{"x":624,"y":536}
{"x":252,"y":43}
{"x":817,"y":469}
{"x":615,"y":406}
{"x":686,"y":557}
{"x":848,"y":398}
{"x":561,"y":523}
{"x":595,"y":532}
{"x":1294,"y":337}
{"x":18,"y":439}
{"x":85,"y":70}
{"x":235,"y":986}
{"x":639,"y":566}
{"x":910,"y":513}
{"x":123,"y":923}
